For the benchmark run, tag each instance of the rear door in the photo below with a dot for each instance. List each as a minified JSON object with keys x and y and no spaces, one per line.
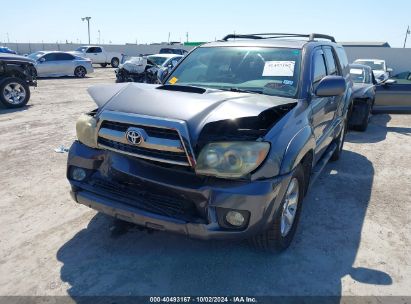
{"x":395,"y":96}
{"x":64,"y":64}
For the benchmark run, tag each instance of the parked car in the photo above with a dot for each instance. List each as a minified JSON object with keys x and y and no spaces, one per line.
{"x":226,"y":147}
{"x":144,"y":69}
{"x":173,"y":51}
{"x":5,"y":49}
{"x":98,"y":55}
{"x":17,"y":73}
{"x":394,"y":95}
{"x":363,"y":96}
{"x":57,"y":64}
{"x":378,"y":66}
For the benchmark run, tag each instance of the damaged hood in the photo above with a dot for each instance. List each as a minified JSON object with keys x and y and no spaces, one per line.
{"x":196,"y":109}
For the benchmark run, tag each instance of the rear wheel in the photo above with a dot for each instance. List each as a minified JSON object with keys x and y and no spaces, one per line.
{"x":80,"y":72}
{"x":280,"y":235}
{"x":14,"y":92}
{"x":115,"y":62}
{"x":103,"y":65}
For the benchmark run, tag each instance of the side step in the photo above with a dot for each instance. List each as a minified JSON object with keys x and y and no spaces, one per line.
{"x":322,"y":163}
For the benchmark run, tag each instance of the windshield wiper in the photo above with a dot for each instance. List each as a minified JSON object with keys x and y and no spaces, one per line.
{"x":238,"y":90}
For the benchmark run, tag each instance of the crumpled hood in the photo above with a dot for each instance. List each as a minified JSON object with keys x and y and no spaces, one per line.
{"x":195,"y":109}
{"x":378,"y":73}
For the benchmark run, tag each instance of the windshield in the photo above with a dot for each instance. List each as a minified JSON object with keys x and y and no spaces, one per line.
{"x":270,"y":71}
{"x":81,"y":49}
{"x":359,"y":75}
{"x":374,"y":65}
{"x":157,"y":59}
{"x":35,"y":55}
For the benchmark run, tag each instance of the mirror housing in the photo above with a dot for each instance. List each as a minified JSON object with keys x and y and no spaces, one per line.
{"x":330,"y":86}
{"x":389,"y":81}
{"x":390,"y":70}
{"x":42,"y":59}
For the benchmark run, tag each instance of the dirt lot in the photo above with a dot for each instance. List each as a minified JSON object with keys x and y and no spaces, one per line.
{"x":354,"y":237}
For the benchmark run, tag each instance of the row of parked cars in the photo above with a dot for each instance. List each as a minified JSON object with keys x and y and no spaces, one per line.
{"x":17,"y":73}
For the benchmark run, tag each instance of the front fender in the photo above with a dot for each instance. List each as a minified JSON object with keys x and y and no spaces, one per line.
{"x":297,"y":148}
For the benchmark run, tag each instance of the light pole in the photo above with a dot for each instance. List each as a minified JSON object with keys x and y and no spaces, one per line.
{"x":406,"y":34}
{"x":99,"y":37}
{"x":88,"y":26}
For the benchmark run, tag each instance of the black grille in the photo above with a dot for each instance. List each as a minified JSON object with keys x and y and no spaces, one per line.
{"x":158,"y":154}
{"x":131,"y":194}
{"x":151,"y":131}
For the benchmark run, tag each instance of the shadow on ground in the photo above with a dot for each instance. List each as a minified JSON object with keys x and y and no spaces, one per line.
{"x":377,"y":130}
{"x":95,"y":262}
{"x":4,"y":110}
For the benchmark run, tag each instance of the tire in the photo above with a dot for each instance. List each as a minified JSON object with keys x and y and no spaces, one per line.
{"x":280,"y":235}
{"x":14,"y":92}
{"x":364,"y":122}
{"x":103,"y":65}
{"x":115,"y":62}
{"x":340,"y":142}
{"x":80,"y":72}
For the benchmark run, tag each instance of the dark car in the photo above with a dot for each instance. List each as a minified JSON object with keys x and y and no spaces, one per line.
{"x":363,"y":96}
{"x":173,"y":51}
{"x":226,"y":147}
{"x":394,"y":94}
{"x":5,"y":49}
{"x":17,"y":73}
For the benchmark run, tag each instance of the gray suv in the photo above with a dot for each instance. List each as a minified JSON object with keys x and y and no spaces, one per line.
{"x":225,"y":147}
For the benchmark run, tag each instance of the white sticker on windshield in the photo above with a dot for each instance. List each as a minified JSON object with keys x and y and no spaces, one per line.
{"x":356,"y":71}
{"x":279,"y":68}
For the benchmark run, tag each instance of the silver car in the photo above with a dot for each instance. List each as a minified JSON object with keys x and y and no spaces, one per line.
{"x":56,"y":64}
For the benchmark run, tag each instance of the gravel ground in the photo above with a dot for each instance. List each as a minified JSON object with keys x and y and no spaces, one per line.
{"x":353,"y":238}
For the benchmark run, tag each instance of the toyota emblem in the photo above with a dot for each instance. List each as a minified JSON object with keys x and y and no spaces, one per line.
{"x":134,"y":136}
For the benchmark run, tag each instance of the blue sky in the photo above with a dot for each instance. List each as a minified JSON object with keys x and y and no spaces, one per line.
{"x":151,"y":21}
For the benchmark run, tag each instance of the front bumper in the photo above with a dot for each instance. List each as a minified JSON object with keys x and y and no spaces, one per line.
{"x":210,"y":198}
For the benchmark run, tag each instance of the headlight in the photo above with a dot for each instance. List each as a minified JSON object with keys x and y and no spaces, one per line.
{"x":86,"y":130}
{"x":231,"y":159}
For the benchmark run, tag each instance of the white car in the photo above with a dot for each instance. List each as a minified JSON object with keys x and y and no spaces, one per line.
{"x":56,"y":64}
{"x":165,"y":60}
{"x":378,"y":67}
{"x":98,"y":55}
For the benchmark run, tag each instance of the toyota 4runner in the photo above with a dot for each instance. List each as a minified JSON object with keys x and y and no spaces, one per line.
{"x":227,"y":145}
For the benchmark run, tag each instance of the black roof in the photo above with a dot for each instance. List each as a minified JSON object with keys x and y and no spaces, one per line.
{"x":14,"y":58}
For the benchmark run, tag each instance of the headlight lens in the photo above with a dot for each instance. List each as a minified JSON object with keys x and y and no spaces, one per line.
{"x":86,"y":130}
{"x":231,"y":159}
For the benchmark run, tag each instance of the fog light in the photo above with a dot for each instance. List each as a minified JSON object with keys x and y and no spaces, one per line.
{"x":235,"y":218}
{"x":78,"y":174}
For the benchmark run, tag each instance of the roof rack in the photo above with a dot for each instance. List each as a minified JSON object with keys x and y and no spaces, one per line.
{"x":310,"y":37}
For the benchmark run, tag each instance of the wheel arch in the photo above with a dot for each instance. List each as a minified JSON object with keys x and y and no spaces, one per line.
{"x":300,"y":148}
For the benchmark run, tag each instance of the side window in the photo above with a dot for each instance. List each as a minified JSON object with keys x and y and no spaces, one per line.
{"x":50,"y":57}
{"x":319,"y":71}
{"x":93,"y":50}
{"x":332,"y":68}
{"x":342,"y":56}
{"x":64,"y":56}
{"x":97,"y":50}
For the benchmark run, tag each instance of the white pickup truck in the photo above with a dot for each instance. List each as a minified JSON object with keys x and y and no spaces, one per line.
{"x":98,"y":55}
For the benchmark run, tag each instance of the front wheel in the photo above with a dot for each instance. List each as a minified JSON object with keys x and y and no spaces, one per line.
{"x":103,"y":65}
{"x":362,"y":127}
{"x":14,"y":92}
{"x":115,"y":62}
{"x":280,"y":235}
{"x":80,"y":72}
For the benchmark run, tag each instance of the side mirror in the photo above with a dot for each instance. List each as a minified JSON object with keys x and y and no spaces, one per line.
{"x":162,"y":74}
{"x":42,"y":59}
{"x":390,"y":70}
{"x":389,"y":81}
{"x":330,"y":86}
